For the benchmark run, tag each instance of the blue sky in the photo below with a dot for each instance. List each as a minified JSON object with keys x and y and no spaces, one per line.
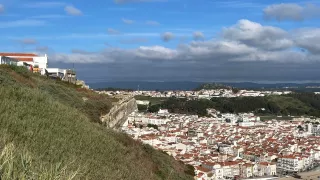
{"x":97,"y":30}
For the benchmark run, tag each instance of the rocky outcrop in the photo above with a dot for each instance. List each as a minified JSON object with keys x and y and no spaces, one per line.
{"x":119,"y":112}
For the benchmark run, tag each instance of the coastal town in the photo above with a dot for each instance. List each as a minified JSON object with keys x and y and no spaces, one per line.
{"x":231,"y":146}
{"x":201,"y":94}
{"x":218,"y":146}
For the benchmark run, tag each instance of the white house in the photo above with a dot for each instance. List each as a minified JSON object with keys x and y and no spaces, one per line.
{"x":267,"y":169}
{"x":29,"y":58}
{"x":57,"y":72}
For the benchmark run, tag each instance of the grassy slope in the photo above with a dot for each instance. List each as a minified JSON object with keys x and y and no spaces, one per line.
{"x":53,"y":122}
{"x":286,"y":102}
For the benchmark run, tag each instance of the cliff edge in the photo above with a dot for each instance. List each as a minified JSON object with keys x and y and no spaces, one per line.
{"x":119,"y":112}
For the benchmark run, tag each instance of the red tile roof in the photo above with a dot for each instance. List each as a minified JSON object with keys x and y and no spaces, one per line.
{"x":25,"y":59}
{"x":18,"y":54}
{"x":202,"y":169}
{"x":264,"y":163}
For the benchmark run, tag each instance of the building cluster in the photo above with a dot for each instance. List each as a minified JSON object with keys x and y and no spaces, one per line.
{"x":208,"y":94}
{"x":202,"y":94}
{"x":37,"y":64}
{"x":220,"y":147}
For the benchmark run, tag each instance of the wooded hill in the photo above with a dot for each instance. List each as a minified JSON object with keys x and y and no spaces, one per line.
{"x":295,"y":104}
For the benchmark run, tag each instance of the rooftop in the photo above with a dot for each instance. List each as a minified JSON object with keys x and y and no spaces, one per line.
{"x":17,"y":54}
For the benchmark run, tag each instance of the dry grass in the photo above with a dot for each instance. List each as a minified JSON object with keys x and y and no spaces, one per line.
{"x":16,"y":164}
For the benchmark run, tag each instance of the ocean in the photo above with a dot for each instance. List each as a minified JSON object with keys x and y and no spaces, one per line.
{"x":185,"y":85}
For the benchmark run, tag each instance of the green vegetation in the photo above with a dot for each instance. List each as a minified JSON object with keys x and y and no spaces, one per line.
{"x":209,"y":86}
{"x":154,"y":103}
{"x":153,"y":126}
{"x":51,"y":124}
{"x":19,"y":165}
{"x":296,"y":104}
{"x":179,"y":105}
{"x":142,"y":108}
{"x":280,"y":118}
{"x":154,"y":108}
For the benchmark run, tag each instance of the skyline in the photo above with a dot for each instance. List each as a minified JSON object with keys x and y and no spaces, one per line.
{"x":159,"y":40}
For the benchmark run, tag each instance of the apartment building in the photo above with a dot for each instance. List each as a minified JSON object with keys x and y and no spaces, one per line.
{"x":290,"y":163}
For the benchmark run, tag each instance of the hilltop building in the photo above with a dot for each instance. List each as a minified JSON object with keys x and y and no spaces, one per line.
{"x":39,"y":64}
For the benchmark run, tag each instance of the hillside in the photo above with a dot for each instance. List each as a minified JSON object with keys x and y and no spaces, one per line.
{"x":49,"y":130}
{"x":209,"y":86}
{"x":296,"y":104}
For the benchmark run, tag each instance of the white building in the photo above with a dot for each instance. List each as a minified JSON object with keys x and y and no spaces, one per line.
{"x":29,"y":58}
{"x":163,"y":111}
{"x":246,"y":124}
{"x":267,"y":169}
{"x":290,"y":163}
{"x":140,"y":102}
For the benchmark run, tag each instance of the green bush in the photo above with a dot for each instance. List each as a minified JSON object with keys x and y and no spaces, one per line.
{"x":142,"y":108}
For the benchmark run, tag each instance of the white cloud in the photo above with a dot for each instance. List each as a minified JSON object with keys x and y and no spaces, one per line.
{"x":198,"y":35}
{"x":256,"y":35}
{"x":81,"y":58}
{"x":1,"y":8}
{"x":152,"y":23}
{"x":134,"y":40}
{"x":236,"y":4}
{"x":42,"y":48}
{"x":244,"y":51}
{"x":134,"y":1}
{"x":22,"y":23}
{"x":167,"y":36}
{"x":110,"y":31}
{"x":80,"y":51}
{"x":246,"y":41}
{"x":308,"y":39}
{"x":113,"y":31}
{"x":71,"y":10}
{"x":155,"y":52}
{"x":291,"y":11}
{"x":29,"y":41}
{"x":49,"y":16}
{"x":127,"y":21}
{"x":44,"y":4}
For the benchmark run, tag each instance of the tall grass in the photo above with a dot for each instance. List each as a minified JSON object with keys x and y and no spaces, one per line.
{"x":54,"y":124}
{"x":18,"y":165}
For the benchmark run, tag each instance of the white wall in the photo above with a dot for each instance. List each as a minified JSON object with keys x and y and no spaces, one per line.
{"x":42,"y":62}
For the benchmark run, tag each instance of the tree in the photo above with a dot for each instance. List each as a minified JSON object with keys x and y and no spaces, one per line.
{"x":142,"y":107}
{"x":154,"y":108}
{"x":153,"y":126}
{"x":300,"y":128}
{"x":235,"y":90}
